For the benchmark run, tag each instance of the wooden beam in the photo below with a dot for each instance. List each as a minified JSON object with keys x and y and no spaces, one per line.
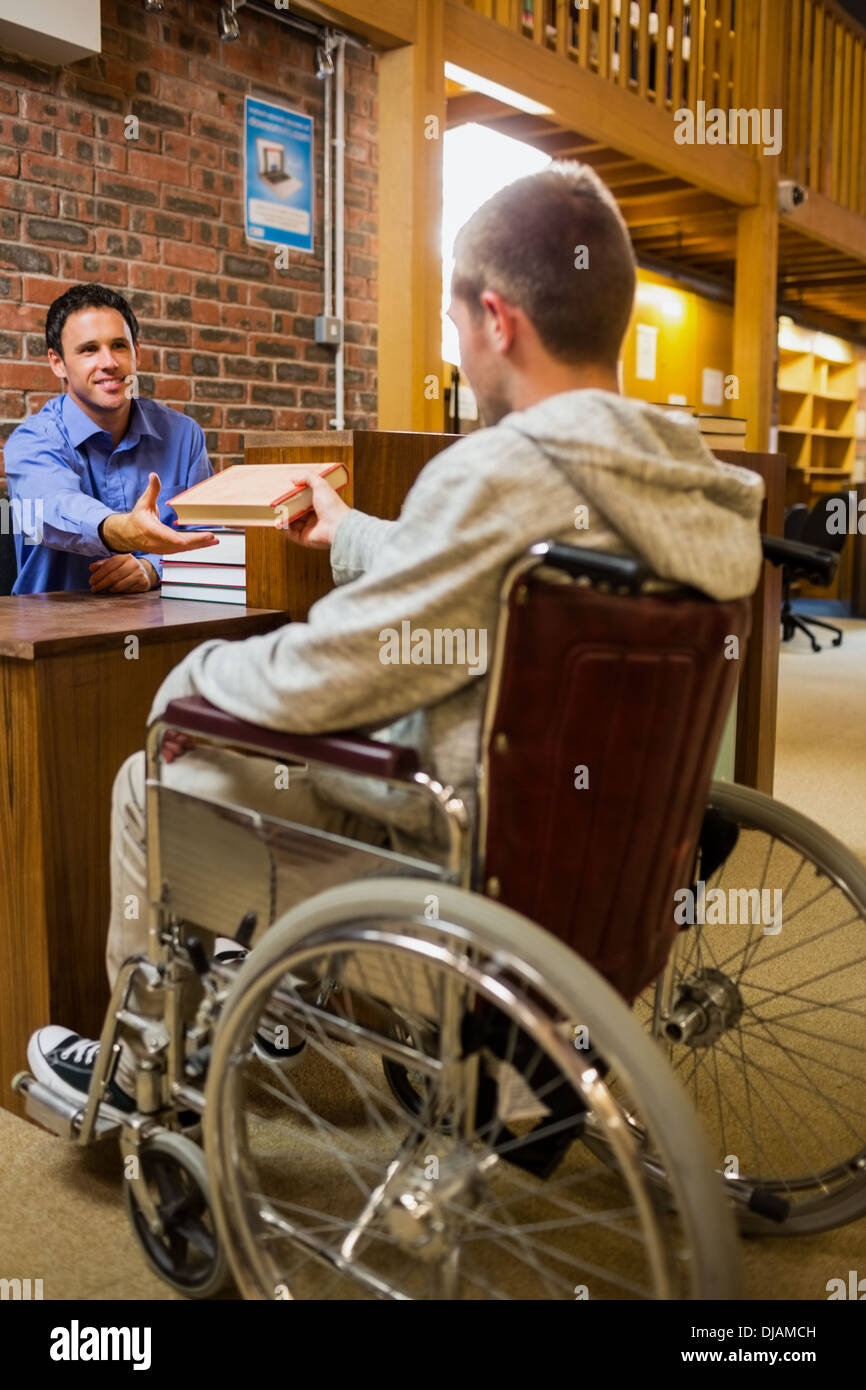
{"x":411,"y":127}
{"x":755,"y":319}
{"x":581,"y":100}
{"x":820,"y":218}
{"x":385,"y":23}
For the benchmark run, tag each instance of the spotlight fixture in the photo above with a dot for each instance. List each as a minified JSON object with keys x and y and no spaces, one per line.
{"x":324,"y":63}
{"x":227,"y":22}
{"x":154,"y":6}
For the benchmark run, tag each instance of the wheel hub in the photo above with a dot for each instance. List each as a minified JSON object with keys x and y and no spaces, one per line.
{"x":707,"y":1004}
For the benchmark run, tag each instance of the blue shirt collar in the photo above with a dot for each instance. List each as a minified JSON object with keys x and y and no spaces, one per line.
{"x":80,"y":426}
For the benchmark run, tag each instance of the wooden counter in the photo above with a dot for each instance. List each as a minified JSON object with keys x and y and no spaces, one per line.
{"x":78,"y":673}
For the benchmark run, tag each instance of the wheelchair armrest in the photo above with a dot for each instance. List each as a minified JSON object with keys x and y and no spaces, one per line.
{"x":804,"y":561}
{"x":620,"y":571}
{"x":345,"y":752}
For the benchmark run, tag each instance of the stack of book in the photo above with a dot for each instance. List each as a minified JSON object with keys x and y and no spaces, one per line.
{"x":722,"y":431}
{"x":216,"y":574}
{"x":718,"y":431}
{"x":228,"y":503}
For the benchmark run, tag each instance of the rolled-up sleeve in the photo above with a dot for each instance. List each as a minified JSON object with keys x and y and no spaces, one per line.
{"x":47,"y":501}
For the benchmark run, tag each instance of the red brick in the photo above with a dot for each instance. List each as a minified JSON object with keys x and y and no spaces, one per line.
{"x":111,"y":156}
{"x":178,"y":146}
{"x":193,"y":257}
{"x":214,"y":182}
{"x":28,"y":197}
{"x":10,"y":163}
{"x":22,"y":318}
{"x":11,"y":404}
{"x":246,"y":318}
{"x":21,"y":135}
{"x":74,"y":147}
{"x":159,"y":56}
{"x":219,"y":339}
{"x":9,"y":100}
{"x":190,"y":96}
{"x":156,"y":167}
{"x":28,"y":376}
{"x":93,"y":268}
{"x":172,"y":388}
{"x":37,"y":399}
{"x":126,"y":188}
{"x":207,"y":311}
{"x":232,"y":212}
{"x":39,"y":290}
{"x":42,"y":168}
{"x":159,"y":279}
{"x":124,"y":245}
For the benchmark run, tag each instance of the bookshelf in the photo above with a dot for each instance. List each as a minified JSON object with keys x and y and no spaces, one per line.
{"x":817,"y":385}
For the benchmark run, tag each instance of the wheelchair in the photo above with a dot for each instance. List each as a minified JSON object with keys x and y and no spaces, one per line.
{"x":475,"y":1109}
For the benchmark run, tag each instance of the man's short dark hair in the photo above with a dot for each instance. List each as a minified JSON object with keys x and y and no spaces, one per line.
{"x":555,"y":244}
{"x":85,"y":297}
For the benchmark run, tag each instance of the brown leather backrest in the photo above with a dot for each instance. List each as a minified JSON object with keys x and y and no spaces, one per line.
{"x":636,"y":690}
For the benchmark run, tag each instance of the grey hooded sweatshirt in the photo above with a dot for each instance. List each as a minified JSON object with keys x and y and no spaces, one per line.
{"x":650,"y":488}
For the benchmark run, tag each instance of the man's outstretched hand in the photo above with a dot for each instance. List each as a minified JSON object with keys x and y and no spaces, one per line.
{"x":141,"y":529}
{"x":317,"y":529}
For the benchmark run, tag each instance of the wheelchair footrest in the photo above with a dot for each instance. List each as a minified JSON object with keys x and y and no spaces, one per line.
{"x":55,"y":1112}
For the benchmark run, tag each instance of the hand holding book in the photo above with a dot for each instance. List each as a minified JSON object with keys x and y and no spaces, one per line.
{"x":316,"y":529}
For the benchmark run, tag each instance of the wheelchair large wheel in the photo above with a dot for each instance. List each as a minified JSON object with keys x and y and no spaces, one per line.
{"x":325,"y":1186}
{"x":767,"y":1028}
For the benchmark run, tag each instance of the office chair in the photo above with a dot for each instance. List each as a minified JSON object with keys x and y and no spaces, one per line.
{"x":810,"y":529}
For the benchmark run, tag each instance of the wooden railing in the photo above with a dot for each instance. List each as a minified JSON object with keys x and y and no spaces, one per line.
{"x":824,"y":98}
{"x":675,"y":53}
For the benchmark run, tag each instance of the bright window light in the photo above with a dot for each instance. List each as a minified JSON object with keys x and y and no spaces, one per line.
{"x":477,"y":162}
{"x":493,"y":89}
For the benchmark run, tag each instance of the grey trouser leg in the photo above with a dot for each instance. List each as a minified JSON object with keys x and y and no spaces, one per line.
{"x":219,"y":775}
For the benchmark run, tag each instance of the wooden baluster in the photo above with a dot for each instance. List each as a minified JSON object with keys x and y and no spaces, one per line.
{"x":583,"y":32}
{"x":605,"y":37}
{"x":845,"y":136}
{"x":797,"y":132}
{"x":827,"y":127}
{"x":815,"y":104}
{"x":836,"y":138}
{"x":623,"y":39}
{"x":710,"y":36}
{"x":725,"y":55}
{"x":643,"y":49}
{"x":661,"y":92}
{"x":563,"y":28}
{"x":696,"y":54}
{"x":677,"y":85}
{"x":858,"y":119}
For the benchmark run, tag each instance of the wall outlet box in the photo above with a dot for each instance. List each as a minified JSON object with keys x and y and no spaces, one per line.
{"x":329,"y":330}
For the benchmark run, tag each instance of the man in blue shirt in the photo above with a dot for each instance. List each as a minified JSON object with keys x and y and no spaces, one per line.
{"x":91,"y":475}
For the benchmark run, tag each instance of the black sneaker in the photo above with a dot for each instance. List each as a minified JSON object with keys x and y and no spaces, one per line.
{"x":64,"y":1061}
{"x":274,"y":1043}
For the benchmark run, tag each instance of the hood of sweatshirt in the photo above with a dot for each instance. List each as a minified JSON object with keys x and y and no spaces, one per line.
{"x":636,"y":466}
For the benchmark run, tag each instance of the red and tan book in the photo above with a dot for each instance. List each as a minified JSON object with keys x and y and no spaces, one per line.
{"x":250,"y":494}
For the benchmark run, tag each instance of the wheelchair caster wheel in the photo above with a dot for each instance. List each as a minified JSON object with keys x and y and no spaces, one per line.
{"x":187,"y":1252}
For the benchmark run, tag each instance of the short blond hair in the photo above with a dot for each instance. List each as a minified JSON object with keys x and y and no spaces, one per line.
{"x":526,"y":244}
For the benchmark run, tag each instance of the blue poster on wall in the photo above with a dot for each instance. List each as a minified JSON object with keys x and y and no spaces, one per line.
{"x":278,"y":175}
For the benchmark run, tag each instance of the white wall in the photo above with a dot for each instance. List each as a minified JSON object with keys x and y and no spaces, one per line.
{"x":52,"y":31}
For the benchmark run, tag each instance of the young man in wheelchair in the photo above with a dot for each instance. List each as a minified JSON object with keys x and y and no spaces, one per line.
{"x":540,"y":329}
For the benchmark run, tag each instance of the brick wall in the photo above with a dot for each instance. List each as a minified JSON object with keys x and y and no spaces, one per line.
{"x":227,"y":336}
